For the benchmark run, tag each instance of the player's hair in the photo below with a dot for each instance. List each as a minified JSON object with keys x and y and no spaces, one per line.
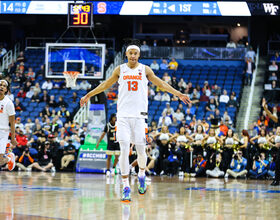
{"x":131,"y":41}
{"x":112,"y":116}
{"x":128,"y":42}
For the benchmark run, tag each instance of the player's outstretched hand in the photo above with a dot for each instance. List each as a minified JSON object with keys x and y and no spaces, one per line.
{"x":185,"y":98}
{"x":84,"y":100}
{"x":14,"y":142}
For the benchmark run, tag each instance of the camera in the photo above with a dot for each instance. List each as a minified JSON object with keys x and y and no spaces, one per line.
{"x":235,"y":157}
{"x":26,"y":150}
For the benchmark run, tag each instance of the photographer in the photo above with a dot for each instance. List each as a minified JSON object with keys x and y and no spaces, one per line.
{"x":259,"y":167}
{"x":199,"y":166}
{"x":25,"y":161}
{"x":69,"y":155}
{"x":237,"y":165}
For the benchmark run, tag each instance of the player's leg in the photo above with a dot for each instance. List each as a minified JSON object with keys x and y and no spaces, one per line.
{"x":38,"y":167}
{"x":21,"y":167}
{"x":123,"y":137}
{"x":8,"y":158}
{"x":139,"y":139}
{"x":49,"y":166}
{"x":117,"y":154}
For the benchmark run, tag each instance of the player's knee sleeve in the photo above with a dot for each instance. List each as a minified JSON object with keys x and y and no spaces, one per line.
{"x":124,"y":158}
{"x":141,"y":156}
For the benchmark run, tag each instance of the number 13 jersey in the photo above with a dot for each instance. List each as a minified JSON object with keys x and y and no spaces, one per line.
{"x":133,"y":92}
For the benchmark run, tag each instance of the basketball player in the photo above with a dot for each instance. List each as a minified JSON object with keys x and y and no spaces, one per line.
{"x":113,"y":147}
{"x":276,"y":181}
{"x":132,"y":111}
{"x":7,"y":115}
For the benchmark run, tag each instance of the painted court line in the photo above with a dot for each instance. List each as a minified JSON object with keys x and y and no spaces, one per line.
{"x":233,"y":190}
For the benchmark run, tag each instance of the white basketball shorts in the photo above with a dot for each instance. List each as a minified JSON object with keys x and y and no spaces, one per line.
{"x":132,"y":130}
{"x":4,"y":140}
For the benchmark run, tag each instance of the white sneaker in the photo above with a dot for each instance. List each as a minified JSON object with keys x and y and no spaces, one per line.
{"x":108,"y":173}
{"x":19,"y":169}
{"x":112,"y":172}
{"x":28,"y":169}
{"x":181,"y":173}
{"x":193,"y":174}
{"x":226,"y":176}
{"x":53,"y":169}
{"x":161,"y":173}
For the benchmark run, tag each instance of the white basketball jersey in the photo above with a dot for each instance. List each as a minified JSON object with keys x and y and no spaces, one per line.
{"x":133,"y":92}
{"x":7,"y":109}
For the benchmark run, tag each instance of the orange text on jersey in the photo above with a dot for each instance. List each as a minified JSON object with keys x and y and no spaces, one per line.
{"x":135,"y":77}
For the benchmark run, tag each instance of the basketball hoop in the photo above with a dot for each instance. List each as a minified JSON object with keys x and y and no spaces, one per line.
{"x":71,"y":77}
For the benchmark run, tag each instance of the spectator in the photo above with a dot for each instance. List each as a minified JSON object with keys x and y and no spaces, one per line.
{"x":226,"y":117}
{"x":231,"y":44}
{"x":44,"y":159}
{"x":211,"y":106}
{"x":19,"y":124}
{"x":48,"y":85}
{"x":37,"y":88}
{"x":74,"y":97}
{"x":249,"y":70}
{"x":84,"y":85}
{"x":18,"y":106}
{"x":173,"y":65}
{"x":178,"y":115}
{"x":205,"y":124}
{"x":30,"y":124}
{"x":30,"y":93}
{"x":10,"y":96}
{"x":273,"y":77}
{"x":271,"y":168}
{"x":259,"y":169}
{"x":61,"y":102}
{"x":206,"y":89}
{"x":3,"y":50}
{"x":35,"y":97}
{"x":195,"y":96}
{"x":168,"y":108}
{"x":46,"y":112}
{"x":163,"y":65}
{"x":157,"y":97}
{"x":64,"y":113}
{"x":111,"y":95}
{"x":216,"y":166}
{"x":151,"y":92}
{"x":166,"y":78}
{"x":165,"y":97}
{"x":154,"y":65}
{"x":68,"y":155}
{"x":273,"y":67}
{"x":182,"y":85}
{"x":216,"y":90}
{"x":21,"y":94}
{"x":165,"y":42}
{"x":191,"y":108}
{"x":145,"y":47}
{"x":232,"y":102}
{"x":251,"y":54}
{"x":224,"y":98}
{"x":21,"y":57}
{"x":52,"y":103}
{"x":41,"y":72}
{"x":31,"y":74}
{"x":45,"y":98}
{"x":25,"y":161}
{"x":237,"y":166}
{"x":164,"y":120}
{"x":21,"y":139}
{"x":199,"y":166}
{"x":188,"y":116}
{"x":27,"y":85}
{"x":174,"y":82}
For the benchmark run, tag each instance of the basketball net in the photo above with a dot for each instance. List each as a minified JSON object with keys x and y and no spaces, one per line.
{"x":71,"y":77}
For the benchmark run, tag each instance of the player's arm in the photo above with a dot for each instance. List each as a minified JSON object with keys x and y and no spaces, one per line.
{"x":13,"y":130}
{"x":270,"y":115}
{"x":100,"y":139}
{"x":165,"y":86}
{"x":103,"y":86}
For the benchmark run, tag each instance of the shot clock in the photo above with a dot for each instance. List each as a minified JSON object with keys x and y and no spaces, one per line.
{"x":80,"y":15}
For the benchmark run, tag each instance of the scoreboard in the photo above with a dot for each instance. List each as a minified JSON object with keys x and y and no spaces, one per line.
{"x":80,"y":15}
{"x":201,"y":8}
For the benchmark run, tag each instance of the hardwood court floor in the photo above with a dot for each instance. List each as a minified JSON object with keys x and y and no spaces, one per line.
{"x":91,"y":196}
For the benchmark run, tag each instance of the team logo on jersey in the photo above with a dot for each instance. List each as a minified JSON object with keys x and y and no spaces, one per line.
{"x":2,"y":109}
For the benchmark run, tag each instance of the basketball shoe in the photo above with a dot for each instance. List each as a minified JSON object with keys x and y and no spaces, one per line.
{"x":142,"y":188}
{"x":126,"y":195}
{"x":11,"y":164}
